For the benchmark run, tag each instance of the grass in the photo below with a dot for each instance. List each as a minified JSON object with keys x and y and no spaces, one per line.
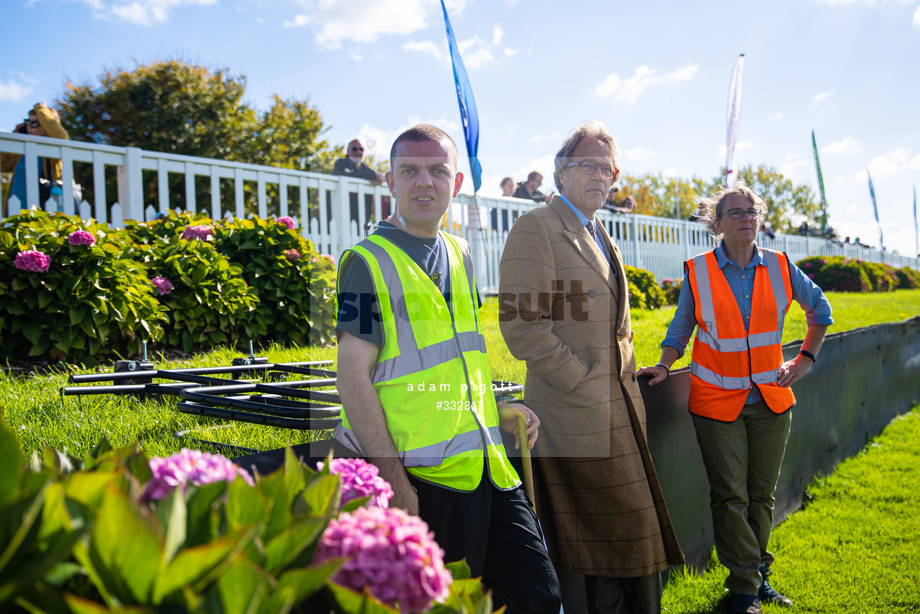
{"x":33,"y":405}
{"x":852,"y":549}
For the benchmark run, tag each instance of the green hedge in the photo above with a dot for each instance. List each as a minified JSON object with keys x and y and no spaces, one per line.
{"x":77,"y":291}
{"x":839,"y":274}
{"x":644,"y":292}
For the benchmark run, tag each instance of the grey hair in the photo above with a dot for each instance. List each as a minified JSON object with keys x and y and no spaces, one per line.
{"x":591,"y":129}
{"x":711,"y":208}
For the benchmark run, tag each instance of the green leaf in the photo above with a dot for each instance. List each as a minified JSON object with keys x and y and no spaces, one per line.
{"x":358,"y":603}
{"x":245,"y":505}
{"x":194,"y":567}
{"x":172,"y":514}
{"x":128,"y":567}
{"x":242,"y":587}
{"x":323,"y":494}
{"x":11,"y":461}
{"x":292,"y":542}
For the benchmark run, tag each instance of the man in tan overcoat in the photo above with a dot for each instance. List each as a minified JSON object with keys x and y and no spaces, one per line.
{"x":564,"y":310}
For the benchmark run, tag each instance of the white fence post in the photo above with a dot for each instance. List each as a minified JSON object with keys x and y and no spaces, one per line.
{"x":130,"y":186}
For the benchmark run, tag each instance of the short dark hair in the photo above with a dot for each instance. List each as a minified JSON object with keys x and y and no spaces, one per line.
{"x":423,"y":133}
{"x":534,"y":175}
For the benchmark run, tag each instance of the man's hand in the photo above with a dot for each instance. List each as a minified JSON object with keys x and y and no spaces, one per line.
{"x":792,"y":371}
{"x":508,"y":420}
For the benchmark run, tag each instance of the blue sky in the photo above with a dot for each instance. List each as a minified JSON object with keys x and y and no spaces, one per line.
{"x":657,"y":73}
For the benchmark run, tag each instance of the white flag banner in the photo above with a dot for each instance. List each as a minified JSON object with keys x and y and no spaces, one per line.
{"x":734,"y":114}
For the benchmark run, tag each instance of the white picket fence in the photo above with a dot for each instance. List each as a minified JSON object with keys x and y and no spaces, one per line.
{"x":659,"y":245}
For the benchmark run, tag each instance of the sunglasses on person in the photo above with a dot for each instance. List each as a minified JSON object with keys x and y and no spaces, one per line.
{"x":356,"y":149}
{"x":587,"y":167}
{"x":34,"y":123}
{"x":739,"y":214}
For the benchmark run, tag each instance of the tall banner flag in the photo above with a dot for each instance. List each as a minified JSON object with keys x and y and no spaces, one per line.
{"x":814,"y":148}
{"x":734,"y":114}
{"x":881,"y":240}
{"x":467,"y":104}
{"x":916,"y":232}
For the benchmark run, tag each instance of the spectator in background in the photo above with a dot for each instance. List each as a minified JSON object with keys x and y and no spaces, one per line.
{"x":627,"y":205}
{"x":353,"y":165}
{"x":507,"y":186}
{"x":700,"y":214}
{"x":42,"y":121}
{"x":531,"y":189}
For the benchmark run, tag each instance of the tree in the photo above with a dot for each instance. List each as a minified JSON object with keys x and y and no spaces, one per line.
{"x":171,"y":106}
{"x":655,"y":195}
{"x":783,"y":198}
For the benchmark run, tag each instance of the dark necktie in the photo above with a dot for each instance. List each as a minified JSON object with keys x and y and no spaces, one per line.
{"x":591,"y":230}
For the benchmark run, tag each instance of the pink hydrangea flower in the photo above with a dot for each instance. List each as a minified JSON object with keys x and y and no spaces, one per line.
{"x":202,"y":232}
{"x":81,"y":237}
{"x":811,"y":276}
{"x":391,"y":553}
{"x":163,"y":285}
{"x":292,"y":254}
{"x":190,"y":466}
{"x":288,"y":221}
{"x":32,"y":260}
{"x":361,"y":479}
{"x":808,"y":265}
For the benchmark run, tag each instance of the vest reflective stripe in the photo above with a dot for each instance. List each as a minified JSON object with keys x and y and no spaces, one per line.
{"x":431,"y":374}
{"x":425,"y":358}
{"x":435,"y":453}
{"x":727,"y":359}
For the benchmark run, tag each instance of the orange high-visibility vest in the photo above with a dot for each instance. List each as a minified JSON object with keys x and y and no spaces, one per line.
{"x":726,"y":359}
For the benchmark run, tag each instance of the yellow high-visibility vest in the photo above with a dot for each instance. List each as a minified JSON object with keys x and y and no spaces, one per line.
{"x":432,"y":372}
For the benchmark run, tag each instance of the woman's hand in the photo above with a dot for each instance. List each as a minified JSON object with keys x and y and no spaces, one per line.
{"x":659,"y":373}
{"x":792,"y":371}
{"x":508,"y":420}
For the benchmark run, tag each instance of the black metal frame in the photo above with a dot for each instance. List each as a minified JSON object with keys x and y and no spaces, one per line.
{"x":291,"y":404}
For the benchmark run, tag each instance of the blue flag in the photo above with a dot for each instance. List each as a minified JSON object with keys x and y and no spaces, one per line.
{"x":467,"y":104}
{"x":881,"y":240}
{"x":916,"y":232}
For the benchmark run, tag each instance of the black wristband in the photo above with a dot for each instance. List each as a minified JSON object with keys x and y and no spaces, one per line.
{"x":807,"y":354}
{"x":667,"y":368}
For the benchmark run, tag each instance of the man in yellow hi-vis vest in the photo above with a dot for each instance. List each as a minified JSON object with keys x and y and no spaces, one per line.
{"x":413,"y":376}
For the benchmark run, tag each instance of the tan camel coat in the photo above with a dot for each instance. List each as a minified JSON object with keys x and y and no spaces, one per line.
{"x":565,"y":311}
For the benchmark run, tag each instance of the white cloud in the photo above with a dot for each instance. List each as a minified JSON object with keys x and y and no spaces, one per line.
{"x":822,"y":97}
{"x":916,"y":21}
{"x":777,"y":116}
{"x":896,"y":161}
{"x":794,"y":166}
{"x":439,"y":52}
{"x":629,"y":90}
{"x":364,"y":21}
{"x":637,"y":154}
{"x":139,"y":12}
{"x":475,"y":51}
{"x":14,"y":92}
{"x":847,"y":146}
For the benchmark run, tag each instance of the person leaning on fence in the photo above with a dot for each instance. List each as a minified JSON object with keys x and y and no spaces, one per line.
{"x":413,"y":377}
{"x":507,"y":186}
{"x":597,"y":492}
{"x":353,"y":165}
{"x":531,"y":189}
{"x":42,"y":121}
{"x":737,"y":296}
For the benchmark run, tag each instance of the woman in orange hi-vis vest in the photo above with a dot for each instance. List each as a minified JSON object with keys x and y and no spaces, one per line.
{"x":736,"y":297}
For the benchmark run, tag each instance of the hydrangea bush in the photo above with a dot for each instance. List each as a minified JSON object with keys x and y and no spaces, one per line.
{"x":72,"y":290}
{"x":644,"y":292}
{"x":115,"y":532}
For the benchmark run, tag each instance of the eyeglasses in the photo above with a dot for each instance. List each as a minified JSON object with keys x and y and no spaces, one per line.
{"x":740,"y":214}
{"x":356,"y":149}
{"x":34,"y":123}
{"x":587,"y":167}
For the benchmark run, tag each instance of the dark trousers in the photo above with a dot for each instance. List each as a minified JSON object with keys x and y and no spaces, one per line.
{"x":604,"y":595}
{"x":742,"y":460}
{"x":497,"y":533}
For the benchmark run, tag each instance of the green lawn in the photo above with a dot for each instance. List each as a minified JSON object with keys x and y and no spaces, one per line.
{"x":853,"y":548}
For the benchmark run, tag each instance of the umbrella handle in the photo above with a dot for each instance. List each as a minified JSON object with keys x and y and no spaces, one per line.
{"x":525,"y":459}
